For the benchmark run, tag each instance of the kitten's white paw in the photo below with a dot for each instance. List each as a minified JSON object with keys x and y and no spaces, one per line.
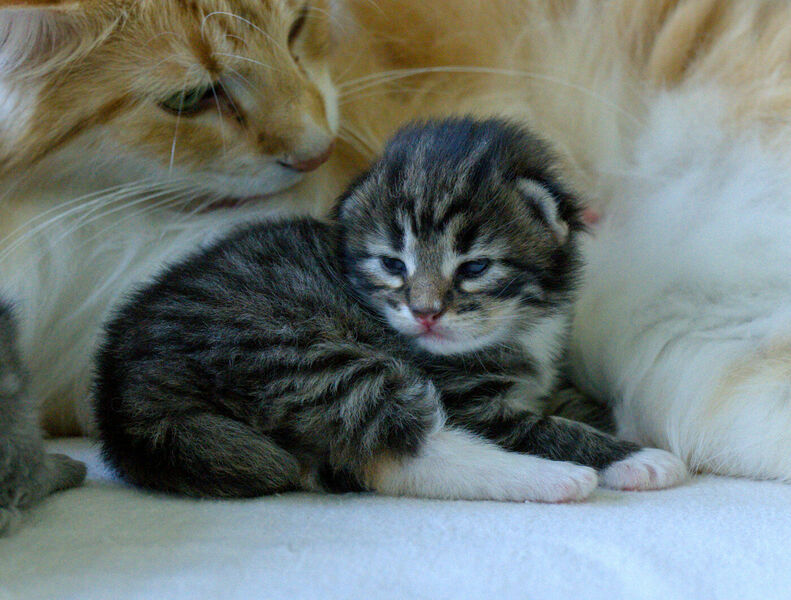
{"x":561,"y":482}
{"x":648,"y":469}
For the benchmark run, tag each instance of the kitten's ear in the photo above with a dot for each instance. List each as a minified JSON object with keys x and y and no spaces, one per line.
{"x":547,"y":205}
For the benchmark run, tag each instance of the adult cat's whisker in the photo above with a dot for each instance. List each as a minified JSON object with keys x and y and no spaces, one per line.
{"x":394,"y":75}
{"x":356,"y":139}
{"x":230,"y":99}
{"x":165,"y":191}
{"x":242,"y":19}
{"x":236,"y":37}
{"x":242,"y":79}
{"x":347,"y":99}
{"x":90,"y":206}
{"x":246,"y":59}
{"x":220,"y":119}
{"x":172,"y":198}
{"x":176,"y":125}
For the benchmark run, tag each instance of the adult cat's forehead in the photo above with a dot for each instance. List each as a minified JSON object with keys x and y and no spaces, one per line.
{"x":188,"y":40}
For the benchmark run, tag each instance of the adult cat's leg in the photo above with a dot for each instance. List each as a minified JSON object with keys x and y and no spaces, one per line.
{"x":27,"y":473}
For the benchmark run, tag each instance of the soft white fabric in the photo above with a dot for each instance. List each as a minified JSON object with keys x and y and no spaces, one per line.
{"x":712,"y":538}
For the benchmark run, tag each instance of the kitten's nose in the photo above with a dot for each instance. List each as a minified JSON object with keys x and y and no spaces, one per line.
{"x":303,"y":165}
{"x":426,"y":317}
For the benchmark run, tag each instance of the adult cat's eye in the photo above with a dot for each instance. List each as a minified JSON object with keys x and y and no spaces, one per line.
{"x":298,"y":25}
{"x":474,"y":268}
{"x":393,"y":266}
{"x":190,"y":102}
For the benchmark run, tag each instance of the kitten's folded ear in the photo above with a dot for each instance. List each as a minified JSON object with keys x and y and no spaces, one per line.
{"x":37,"y":32}
{"x":559,"y":218}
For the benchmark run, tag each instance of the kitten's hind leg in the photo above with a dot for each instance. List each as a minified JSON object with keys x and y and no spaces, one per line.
{"x":456,"y":465}
{"x":199,"y":454}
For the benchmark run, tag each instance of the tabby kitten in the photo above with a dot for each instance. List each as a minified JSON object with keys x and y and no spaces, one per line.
{"x":27,"y":474}
{"x":406,"y":349}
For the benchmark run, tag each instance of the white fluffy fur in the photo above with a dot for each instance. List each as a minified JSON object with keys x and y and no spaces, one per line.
{"x":456,"y":465}
{"x":72,"y":264}
{"x":685,"y":318}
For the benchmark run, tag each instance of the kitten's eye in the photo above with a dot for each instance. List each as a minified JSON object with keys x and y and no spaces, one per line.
{"x":190,"y":102}
{"x":298,"y":25}
{"x":393,"y":266}
{"x":473,"y":268}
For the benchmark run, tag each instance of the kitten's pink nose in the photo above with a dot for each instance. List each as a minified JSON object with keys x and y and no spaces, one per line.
{"x":309,"y":164}
{"x":426,"y":318}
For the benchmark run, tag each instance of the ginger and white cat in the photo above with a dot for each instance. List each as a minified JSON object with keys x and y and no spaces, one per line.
{"x":671,"y":115}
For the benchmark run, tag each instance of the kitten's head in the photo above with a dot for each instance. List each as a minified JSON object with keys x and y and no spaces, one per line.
{"x":234,"y":96}
{"x":461,"y":236}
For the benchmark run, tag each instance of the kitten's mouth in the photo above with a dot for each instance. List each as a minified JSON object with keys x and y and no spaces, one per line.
{"x":435,"y":335}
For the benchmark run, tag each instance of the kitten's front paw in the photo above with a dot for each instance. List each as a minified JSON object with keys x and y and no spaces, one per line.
{"x":646,"y":469}
{"x":563,"y":482}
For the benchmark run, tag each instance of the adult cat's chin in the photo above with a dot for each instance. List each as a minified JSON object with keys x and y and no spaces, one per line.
{"x":220,"y":192}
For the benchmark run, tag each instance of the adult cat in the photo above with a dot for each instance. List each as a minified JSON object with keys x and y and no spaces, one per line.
{"x":670,"y":114}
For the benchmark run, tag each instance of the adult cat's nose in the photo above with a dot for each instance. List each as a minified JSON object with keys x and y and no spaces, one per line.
{"x":303,"y":165}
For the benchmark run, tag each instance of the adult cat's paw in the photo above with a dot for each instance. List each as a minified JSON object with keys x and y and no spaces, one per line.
{"x":646,"y":469}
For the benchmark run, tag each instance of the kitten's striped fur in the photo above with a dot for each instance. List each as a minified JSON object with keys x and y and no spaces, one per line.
{"x":405,"y":349}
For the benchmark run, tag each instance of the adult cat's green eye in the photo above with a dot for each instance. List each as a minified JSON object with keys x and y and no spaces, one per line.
{"x":190,"y":102}
{"x":393,"y":266}
{"x":474,"y":268}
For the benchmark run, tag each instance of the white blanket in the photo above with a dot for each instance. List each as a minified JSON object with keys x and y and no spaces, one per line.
{"x":712,"y":538}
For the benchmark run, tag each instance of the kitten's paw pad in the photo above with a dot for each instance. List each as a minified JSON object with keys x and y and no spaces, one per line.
{"x":647,"y":469}
{"x":564,"y":482}
{"x":68,"y":473}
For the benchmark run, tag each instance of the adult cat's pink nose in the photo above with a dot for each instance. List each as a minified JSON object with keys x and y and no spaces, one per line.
{"x":426,"y":318}
{"x":309,"y":164}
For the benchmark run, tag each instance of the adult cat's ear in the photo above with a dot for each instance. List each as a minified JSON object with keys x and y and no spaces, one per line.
{"x":37,"y":32}
{"x":549,"y":206}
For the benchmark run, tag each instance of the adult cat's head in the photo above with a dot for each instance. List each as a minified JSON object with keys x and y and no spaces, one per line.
{"x":462,"y":237}
{"x":232,"y":96}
